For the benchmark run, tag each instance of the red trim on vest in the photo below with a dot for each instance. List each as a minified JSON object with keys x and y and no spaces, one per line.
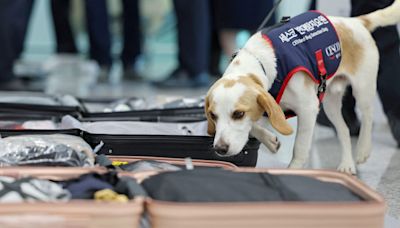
{"x":320,"y":62}
{"x":294,"y":71}
{"x":266,"y":38}
{"x":302,"y":68}
{"x":321,"y":69}
{"x":289,"y":76}
{"x":329,"y":76}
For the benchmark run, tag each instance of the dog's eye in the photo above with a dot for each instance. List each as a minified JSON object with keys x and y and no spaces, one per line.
{"x":237,"y":115}
{"x":213,"y":116}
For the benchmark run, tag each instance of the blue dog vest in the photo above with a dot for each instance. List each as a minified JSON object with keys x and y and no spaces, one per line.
{"x":307,"y":42}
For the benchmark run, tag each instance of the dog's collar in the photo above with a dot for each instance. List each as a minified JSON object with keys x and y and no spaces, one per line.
{"x":258,"y":60}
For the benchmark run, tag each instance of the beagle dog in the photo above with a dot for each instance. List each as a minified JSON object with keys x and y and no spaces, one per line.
{"x":236,"y":103}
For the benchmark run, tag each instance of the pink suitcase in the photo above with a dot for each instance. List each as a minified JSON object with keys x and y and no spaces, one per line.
{"x":365,"y":214}
{"x":76,"y":213}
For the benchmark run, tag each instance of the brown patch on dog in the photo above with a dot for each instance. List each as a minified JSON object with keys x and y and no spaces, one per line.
{"x":255,"y":79}
{"x":275,"y":113}
{"x":236,"y":62}
{"x":209,"y":107}
{"x":255,"y":101}
{"x":228,"y":83}
{"x":366,"y":22}
{"x":248,"y":104}
{"x":352,"y":51}
{"x":248,"y":101}
{"x":250,"y":80}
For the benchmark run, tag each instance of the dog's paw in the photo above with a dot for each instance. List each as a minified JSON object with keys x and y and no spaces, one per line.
{"x":362,"y":157}
{"x":296,"y":164}
{"x":347,"y":167}
{"x":273,"y":144}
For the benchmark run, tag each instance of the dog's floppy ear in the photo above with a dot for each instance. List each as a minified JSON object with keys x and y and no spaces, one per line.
{"x":211,"y":124}
{"x":275,"y":113}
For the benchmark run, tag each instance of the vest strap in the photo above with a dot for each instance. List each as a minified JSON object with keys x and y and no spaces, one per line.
{"x":323,"y":75}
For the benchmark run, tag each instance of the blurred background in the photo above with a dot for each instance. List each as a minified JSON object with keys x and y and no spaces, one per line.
{"x":166,"y":48}
{"x":155,"y":31}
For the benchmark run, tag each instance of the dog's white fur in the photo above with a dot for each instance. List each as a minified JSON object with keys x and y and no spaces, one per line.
{"x":300,"y":95}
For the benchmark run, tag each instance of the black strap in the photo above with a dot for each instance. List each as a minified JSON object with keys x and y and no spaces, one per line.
{"x":322,"y":86}
{"x":269,"y":15}
{"x":259,"y":62}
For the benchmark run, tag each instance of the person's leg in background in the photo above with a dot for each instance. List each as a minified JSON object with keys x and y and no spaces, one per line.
{"x":387,"y":40}
{"x":60,"y":10}
{"x":348,"y":111}
{"x":215,"y":45}
{"x":193,"y":25}
{"x":228,"y":24}
{"x":97,"y":22}
{"x":14,"y":18}
{"x":215,"y":55}
{"x":132,"y":36}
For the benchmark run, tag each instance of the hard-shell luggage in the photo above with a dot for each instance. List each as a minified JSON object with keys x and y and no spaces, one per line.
{"x":39,"y":106}
{"x":173,"y":146}
{"x":49,"y":107}
{"x":75,"y":213}
{"x":196,"y":147}
{"x":369,"y":212}
{"x":175,"y":161}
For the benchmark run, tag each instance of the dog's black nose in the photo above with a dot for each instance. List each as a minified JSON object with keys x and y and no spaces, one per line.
{"x":221,"y":149}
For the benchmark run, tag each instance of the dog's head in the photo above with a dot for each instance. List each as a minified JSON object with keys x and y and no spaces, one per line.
{"x":232,"y":106}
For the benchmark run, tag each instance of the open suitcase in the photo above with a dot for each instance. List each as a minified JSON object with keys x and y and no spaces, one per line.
{"x":17,"y":106}
{"x":39,"y":106}
{"x":173,"y":146}
{"x":175,"y":161}
{"x":368,"y":213}
{"x":75,"y":213}
{"x":81,"y":213}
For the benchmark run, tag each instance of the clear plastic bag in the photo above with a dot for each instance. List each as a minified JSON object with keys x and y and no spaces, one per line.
{"x":135,"y":127}
{"x":45,"y":150}
{"x":185,"y":103}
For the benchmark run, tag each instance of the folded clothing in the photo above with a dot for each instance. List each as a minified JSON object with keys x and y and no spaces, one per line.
{"x":45,"y":150}
{"x":135,"y":127}
{"x":137,"y":166}
{"x":31,"y":190}
{"x":107,"y":195}
{"x":215,"y":185}
{"x":87,"y":185}
{"x":148,"y":165}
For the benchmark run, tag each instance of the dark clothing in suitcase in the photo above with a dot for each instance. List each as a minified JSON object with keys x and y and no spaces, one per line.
{"x":86,"y":185}
{"x":212,"y":185}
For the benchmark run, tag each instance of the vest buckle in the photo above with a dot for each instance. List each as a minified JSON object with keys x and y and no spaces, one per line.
{"x":322,"y":87}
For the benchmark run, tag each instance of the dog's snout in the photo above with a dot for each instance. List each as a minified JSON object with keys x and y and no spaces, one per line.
{"x":221,"y":148}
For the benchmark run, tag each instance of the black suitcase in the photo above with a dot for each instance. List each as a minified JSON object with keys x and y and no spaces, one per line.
{"x":173,"y":146}
{"x":90,"y":110}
